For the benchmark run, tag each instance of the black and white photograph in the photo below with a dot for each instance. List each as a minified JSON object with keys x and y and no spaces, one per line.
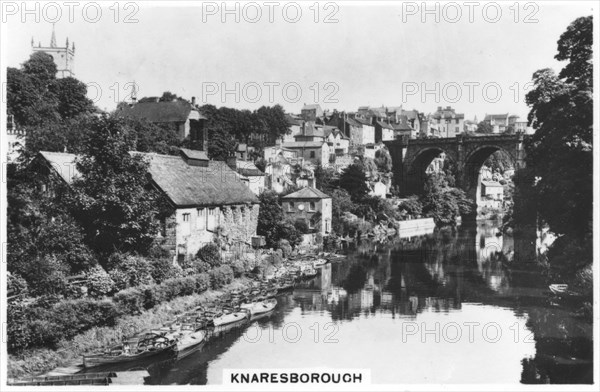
{"x":299,"y":195}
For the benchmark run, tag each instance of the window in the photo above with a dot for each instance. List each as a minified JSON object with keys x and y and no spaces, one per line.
{"x":327,"y":228}
{"x":457,"y":129}
{"x":201,"y":219}
{"x":212,"y":220}
{"x":312,"y":154}
{"x":312,"y":206}
{"x":185,"y":226}
{"x":291,"y":206}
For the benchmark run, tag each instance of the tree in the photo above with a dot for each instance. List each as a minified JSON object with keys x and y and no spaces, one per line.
{"x":72,"y":98}
{"x":484,"y":127}
{"x":272,"y":222}
{"x":111,"y":199}
{"x":383,"y":160}
{"x":42,"y":236}
{"x":444,"y":203}
{"x":354,"y":181}
{"x":36,"y":98}
{"x":560,"y":152}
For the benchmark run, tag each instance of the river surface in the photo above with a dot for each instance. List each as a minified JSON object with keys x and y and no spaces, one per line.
{"x":438,"y":308}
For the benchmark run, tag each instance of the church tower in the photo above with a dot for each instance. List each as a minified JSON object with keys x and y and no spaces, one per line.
{"x":64,"y":57}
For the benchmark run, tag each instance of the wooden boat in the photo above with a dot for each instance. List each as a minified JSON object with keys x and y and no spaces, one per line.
{"x":133,"y":349}
{"x":260,"y":307}
{"x":188,"y":336}
{"x":285,"y":285}
{"x":230,"y":316}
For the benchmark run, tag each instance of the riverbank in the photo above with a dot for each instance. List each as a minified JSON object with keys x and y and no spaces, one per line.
{"x":37,"y":361}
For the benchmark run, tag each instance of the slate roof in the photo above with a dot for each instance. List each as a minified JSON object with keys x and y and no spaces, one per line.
{"x":491,"y":183}
{"x":194,"y":154}
{"x":185,"y":185}
{"x":159,"y":112}
{"x":384,"y":125}
{"x":63,"y":164}
{"x":191,"y":186}
{"x":248,"y":169}
{"x":310,"y":129}
{"x":362,"y":121}
{"x":307,"y":193}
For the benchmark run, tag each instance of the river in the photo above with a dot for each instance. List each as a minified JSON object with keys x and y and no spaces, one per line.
{"x":438,"y":308}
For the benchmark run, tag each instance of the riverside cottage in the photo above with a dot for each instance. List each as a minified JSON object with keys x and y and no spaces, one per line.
{"x":311,"y":206}
{"x":208,"y":197}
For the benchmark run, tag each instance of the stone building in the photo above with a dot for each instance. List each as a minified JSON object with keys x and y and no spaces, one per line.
{"x":311,"y":206}
{"x":208,"y":197}
{"x":447,"y":121}
{"x":180,"y":115}
{"x":63,"y":56}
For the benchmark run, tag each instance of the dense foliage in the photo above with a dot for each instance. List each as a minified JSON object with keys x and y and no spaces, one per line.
{"x":560,"y":154}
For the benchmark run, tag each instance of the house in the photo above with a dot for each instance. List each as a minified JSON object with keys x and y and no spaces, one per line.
{"x":403,"y":129}
{"x":205,"y":195}
{"x":378,"y":188}
{"x":295,"y":127}
{"x":365,"y":132}
{"x":492,"y":194}
{"x":499,"y":122}
{"x":338,"y":142}
{"x":311,"y":206}
{"x":383,"y":130}
{"x":311,"y":112}
{"x":251,"y":175}
{"x":470,"y":126}
{"x":315,"y":152}
{"x":448,"y":122}
{"x":278,"y":174}
{"x":179,"y":115}
{"x":243,"y":151}
{"x":310,"y":132}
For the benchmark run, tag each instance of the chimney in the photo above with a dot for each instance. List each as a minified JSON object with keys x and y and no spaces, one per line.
{"x":193,"y":100}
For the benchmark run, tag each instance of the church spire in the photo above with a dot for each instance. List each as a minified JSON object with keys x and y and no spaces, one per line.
{"x":53,"y":38}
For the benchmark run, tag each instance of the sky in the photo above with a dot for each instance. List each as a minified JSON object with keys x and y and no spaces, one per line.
{"x":478,"y":59}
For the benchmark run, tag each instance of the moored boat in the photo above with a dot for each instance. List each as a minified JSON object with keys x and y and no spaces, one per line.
{"x":230,"y":316}
{"x":133,"y":349}
{"x":260,"y":306}
{"x":188,"y":336}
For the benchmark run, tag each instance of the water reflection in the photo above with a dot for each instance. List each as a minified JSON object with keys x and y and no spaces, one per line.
{"x":436,"y":308}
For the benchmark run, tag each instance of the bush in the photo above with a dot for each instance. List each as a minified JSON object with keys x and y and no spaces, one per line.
{"x":238,"y":268}
{"x":202,"y":282}
{"x":210,"y":254}
{"x":130,"y":300}
{"x":38,"y":326}
{"x":131,"y":271}
{"x":47,"y":275}
{"x":301,"y":226}
{"x":221,"y":276}
{"x":17,"y":284}
{"x":163,"y":269}
{"x":99,"y":282}
{"x":285,"y":247}
{"x":195,"y":266}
